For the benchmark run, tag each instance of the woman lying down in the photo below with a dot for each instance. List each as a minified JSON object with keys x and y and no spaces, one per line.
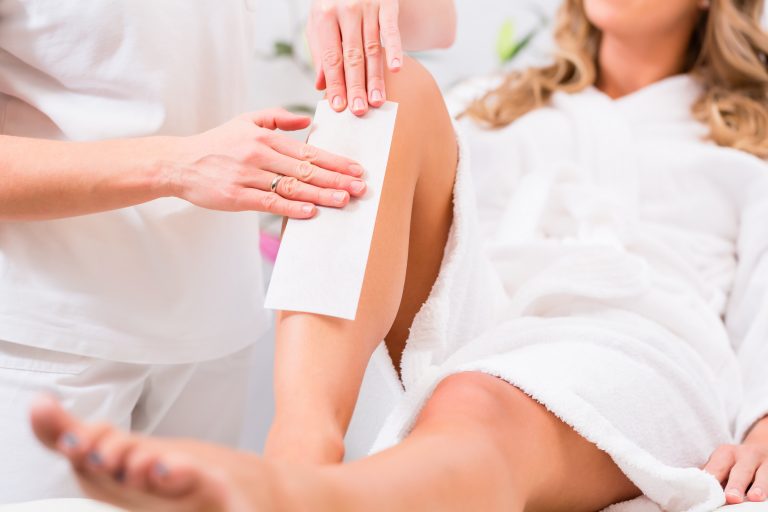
{"x":594,"y":330}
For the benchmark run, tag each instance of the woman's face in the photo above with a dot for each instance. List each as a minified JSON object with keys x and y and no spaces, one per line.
{"x":642,"y":18}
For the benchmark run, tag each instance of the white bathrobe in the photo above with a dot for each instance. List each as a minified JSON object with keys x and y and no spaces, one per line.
{"x":614,"y":266}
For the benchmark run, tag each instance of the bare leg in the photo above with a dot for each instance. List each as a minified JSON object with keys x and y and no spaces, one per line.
{"x":320,"y":361}
{"x":479,"y":444}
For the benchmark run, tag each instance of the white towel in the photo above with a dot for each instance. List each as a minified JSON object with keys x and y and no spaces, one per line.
{"x":595,"y":278}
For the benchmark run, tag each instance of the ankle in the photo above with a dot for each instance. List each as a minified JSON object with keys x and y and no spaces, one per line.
{"x":305,"y":443}
{"x":299,"y":488}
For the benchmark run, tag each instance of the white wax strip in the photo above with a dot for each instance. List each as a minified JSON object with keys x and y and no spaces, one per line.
{"x":321,"y":263}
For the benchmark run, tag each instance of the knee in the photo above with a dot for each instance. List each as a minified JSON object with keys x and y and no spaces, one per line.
{"x":414,"y":88}
{"x":493,"y":419}
{"x":413,"y":75}
{"x":492,"y":404}
{"x":424,"y":131}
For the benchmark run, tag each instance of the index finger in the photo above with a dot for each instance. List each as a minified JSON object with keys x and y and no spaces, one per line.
{"x":389,"y":19}
{"x":317,"y":156}
{"x":314,"y":49}
{"x":720,"y":463}
{"x":332,"y":58}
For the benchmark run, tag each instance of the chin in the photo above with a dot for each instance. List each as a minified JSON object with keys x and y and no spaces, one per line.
{"x":611,"y":15}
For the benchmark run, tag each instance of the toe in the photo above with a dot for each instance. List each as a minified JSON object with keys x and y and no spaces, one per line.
{"x":203,"y":486}
{"x":52,"y":425}
{"x":174,"y":476}
{"x":140,"y":464}
{"x":86,"y":455}
{"x":114,"y":449}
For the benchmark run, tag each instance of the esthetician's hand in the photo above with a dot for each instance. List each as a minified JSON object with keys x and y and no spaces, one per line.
{"x":233,"y":167}
{"x":345,"y":37}
{"x":743,"y":469}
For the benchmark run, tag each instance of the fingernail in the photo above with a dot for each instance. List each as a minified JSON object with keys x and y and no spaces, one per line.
{"x":376,"y":96}
{"x":161,"y":470}
{"x":357,"y":186}
{"x":308,"y":208}
{"x":339,"y":197}
{"x":69,"y":440}
{"x":359,"y":105}
{"x":396,"y":63}
{"x":356,"y":170}
{"x":338,"y":103}
{"x":95,"y":459}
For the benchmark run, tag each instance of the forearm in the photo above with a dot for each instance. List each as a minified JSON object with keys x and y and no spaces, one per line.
{"x":427,"y":24}
{"x":42,"y":179}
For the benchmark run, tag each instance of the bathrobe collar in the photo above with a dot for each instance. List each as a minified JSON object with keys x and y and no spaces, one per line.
{"x":669,"y":100}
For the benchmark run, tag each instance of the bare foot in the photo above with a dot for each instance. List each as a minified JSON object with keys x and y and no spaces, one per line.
{"x":145,"y":474}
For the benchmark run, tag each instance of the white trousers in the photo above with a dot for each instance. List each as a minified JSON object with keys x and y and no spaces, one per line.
{"x":203,"y":400}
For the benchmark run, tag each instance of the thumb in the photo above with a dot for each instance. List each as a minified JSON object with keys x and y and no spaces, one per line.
{"x":320,"y":83}
{"x":280,"y":119}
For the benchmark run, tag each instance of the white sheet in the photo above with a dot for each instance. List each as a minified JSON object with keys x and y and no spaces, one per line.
{"x":92,"y":506}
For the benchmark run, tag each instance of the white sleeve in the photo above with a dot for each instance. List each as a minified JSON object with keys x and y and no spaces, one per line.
{"x":747,"y":316}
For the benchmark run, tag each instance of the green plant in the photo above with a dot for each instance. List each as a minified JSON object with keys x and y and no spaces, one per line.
{"x":508,"y":45}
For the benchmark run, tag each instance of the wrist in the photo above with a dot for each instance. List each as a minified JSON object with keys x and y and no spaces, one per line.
{"x":758,"y":434}
{"x":163,"y":169}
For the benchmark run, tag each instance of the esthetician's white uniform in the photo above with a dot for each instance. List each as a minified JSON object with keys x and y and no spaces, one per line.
{"x":143,"y":316}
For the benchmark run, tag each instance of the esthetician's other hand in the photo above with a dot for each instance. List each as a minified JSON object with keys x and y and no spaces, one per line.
{"x":743,"y":469}
{"x":233,"y":168}
{"x":345,"y":37}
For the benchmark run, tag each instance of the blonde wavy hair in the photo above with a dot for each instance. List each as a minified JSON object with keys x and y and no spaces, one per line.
{"x":728,"y":55}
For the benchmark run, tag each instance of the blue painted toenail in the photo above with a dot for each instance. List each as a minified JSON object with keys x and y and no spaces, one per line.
{"x":161,"y":470}
{"x":69,"y":440}
{"x":95,"y":459}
